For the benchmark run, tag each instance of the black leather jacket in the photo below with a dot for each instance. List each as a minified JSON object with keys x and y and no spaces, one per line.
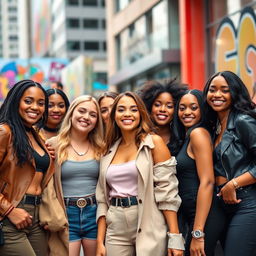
{"x":238,"y":147}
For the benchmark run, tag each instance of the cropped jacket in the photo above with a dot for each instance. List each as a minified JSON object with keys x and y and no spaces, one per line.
{"x":238,"y":147}
{"x":14,"y":179}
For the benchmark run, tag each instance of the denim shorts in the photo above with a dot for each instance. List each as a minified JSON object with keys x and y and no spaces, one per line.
{"x":82,"y":222}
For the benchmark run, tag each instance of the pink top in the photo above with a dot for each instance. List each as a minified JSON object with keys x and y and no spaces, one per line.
{"x":122,"y":179}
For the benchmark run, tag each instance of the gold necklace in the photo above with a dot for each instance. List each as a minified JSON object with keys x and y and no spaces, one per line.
{"x":78,"y":153}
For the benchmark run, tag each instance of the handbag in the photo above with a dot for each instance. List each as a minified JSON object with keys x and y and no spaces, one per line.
{"x":1,"y":233}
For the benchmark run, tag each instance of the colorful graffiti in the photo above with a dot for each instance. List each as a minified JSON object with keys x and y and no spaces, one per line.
{"x":41,"y":70}
{"x":236,"y":48}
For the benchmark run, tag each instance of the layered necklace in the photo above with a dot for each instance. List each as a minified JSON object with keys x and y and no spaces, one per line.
{"x":80,"y":153}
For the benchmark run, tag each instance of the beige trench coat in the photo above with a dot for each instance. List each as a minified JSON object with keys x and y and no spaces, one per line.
{"x":157,"y":190}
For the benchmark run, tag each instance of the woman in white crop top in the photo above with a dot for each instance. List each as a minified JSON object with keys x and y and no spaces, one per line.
{"x":137,"y":190}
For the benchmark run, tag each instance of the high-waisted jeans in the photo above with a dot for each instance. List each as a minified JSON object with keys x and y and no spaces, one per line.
{"x":241,"y":223}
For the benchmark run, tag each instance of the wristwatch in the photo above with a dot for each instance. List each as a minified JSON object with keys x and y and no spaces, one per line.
{"x":197,"y":234}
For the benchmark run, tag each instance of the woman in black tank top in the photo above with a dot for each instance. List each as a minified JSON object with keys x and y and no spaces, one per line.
{"x":193,"y":148}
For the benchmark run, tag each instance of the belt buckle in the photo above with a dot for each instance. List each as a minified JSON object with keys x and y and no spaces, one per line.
{"x":125,"y":202}
{"x":81,"y":202}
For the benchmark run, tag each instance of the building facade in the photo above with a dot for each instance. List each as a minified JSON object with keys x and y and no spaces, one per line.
{"x":189,"y":39}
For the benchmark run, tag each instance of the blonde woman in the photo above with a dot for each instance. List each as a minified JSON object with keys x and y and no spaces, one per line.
{"x":78,"y":148}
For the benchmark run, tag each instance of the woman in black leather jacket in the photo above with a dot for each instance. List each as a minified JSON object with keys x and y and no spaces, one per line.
{"x":232,"y":117}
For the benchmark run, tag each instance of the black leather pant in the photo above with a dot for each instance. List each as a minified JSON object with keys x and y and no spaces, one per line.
{"x":240,"y":238}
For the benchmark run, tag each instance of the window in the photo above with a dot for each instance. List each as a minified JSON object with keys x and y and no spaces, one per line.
{"x":92,"y":45}
{"x":91,"y":23}
{"x":13,"y":56}
{"x":72,"y":2}
{"x":13,"y":18}
{"x":13,"y":37}
{"x":12,"y":9}
{"x":103,"y":24}
{"x":73,"y":23}
{"x":104,"y":46}
{"x":90,"y":2}
{"x":73,"y":45}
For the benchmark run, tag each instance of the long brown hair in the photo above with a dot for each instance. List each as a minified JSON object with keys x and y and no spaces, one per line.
{"x":113,"y":131}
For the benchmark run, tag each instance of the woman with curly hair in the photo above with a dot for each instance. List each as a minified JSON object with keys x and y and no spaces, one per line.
{"x":160,"y":100}
{"x":232,"y":118}
{"x":78,"y":148}
{"x":137,"y":189}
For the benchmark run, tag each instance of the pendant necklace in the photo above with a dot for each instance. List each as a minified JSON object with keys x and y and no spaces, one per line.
{"x":78,"y":153}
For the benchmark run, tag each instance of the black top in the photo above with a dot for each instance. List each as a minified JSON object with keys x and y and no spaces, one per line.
{"x":42,"y":162}
{"x":186,"y":171}
{"x":218,"y":167}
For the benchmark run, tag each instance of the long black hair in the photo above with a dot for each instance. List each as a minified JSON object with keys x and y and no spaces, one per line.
{"x":240,"y":97}
{"x":9,"y":114}
{"x":179,"y":132}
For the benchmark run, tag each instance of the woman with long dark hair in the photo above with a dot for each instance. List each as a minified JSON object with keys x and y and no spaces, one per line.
{"x":57,"y":109}
{"x":232,"y":118}
{"x":25,"y":173}
{"x":191,"y":142}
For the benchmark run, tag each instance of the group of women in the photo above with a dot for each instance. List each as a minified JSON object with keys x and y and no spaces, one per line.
{"x":129,"y":174}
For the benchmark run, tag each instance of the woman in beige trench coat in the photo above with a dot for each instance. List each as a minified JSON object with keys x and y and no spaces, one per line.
{"x":135,"y":221}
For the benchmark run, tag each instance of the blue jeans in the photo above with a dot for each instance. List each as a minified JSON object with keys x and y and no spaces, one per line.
{"x":241,"y":223}
{"x":82,"y":222}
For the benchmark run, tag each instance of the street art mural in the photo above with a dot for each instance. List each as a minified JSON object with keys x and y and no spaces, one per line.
{"x":236,"y":48}
{"x":42,"y":70}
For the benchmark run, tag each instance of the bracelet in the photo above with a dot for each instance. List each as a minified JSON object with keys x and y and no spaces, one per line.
{"x":176,"y":241}
{"x":235,"y":184}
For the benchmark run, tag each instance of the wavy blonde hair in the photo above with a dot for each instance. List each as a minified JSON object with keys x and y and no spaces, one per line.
{"x":95,"y":136}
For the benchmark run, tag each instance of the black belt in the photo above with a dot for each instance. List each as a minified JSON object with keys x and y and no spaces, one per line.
{"x":124,"y":201}
{"x":80,"y":202}
{"x":31,"y":199}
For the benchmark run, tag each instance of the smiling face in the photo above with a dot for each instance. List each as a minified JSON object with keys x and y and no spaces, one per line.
{"x":189,"y":111}
{"x":56,"y":110}
{"x":84,"y":117}
{"x":218,"y":95}
{"x":127,"y":115}
{"x":32,"y":105}
{"x":163,"y":109}
{"x":105,"y":107}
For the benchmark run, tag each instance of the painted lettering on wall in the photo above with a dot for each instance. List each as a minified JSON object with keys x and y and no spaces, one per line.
{"x":236,"y":48}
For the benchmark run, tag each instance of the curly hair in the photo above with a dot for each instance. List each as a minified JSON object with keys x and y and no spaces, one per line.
{"x":152,"y":89}
{"x":95,"y":136}
{"x":9,"y":114}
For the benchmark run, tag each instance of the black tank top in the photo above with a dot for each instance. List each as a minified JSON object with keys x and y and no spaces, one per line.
{"x":42,"y":162}
{"x":186,"y":171}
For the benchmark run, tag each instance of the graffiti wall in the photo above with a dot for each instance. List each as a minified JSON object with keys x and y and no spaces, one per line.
{"x":236,"y":47}
{"x":42,"y":70}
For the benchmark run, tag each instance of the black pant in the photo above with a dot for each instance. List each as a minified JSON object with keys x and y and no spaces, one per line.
{"x":214,"y":226}
{"x":241,"y":223}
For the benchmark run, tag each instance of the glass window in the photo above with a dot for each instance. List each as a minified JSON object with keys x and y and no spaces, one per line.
{"x":13,"y":18}
{"x":13,"y":37}
{"x":72,"y":2}
{"x":121,"y":4}
{"x":104,"y":46}
{"x":73,"y":45}
{"x":90,"y":23}
{"x":90,"y":2}
{"x":103,"y":24}
{"x":12,"y":9}
{"x":73,"y":23}
{"x":160,"y":26}
{"x":91,"y":45}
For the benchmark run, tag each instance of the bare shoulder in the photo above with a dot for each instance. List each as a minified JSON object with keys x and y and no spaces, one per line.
{"x":200,"y":137}
{"x":160,"y":151}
